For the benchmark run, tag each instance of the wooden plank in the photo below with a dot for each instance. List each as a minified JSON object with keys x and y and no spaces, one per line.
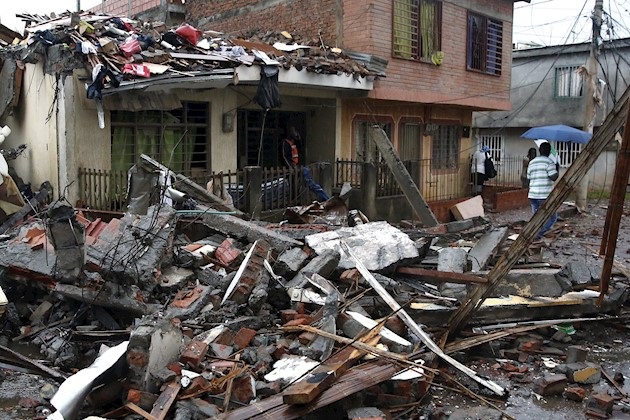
{"x":414,"y":327}
{"x":43,"y":368}
{"x":564,"y":186}
{"x":323,"y":376}
{"x":403,"y":178}
{"x":442,"y":275}
{"x":165,"y":401}
{"x":138,"y":410}
{"x":354,"y":380}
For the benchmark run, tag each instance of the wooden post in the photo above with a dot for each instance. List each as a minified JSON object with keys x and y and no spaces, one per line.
{"x":559,"y":193}
{"x":615,"y":211}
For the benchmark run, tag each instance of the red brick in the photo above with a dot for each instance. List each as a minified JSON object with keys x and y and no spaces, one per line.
{"x":287,"y":315}
{"x":243,"y":337}
{"x":575,"y":393}
{"x":194,"y":353}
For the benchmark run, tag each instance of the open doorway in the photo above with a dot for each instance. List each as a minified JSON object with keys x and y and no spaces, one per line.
{"x":273,"y":126}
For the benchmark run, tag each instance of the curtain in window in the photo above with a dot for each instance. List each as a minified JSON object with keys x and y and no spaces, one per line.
{"x":429,"y":31}
{"x":122,"y":142}
{"x":404,"y":28}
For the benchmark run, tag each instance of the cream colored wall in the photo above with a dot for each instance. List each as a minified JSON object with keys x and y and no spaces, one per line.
{"x":29,"y":126}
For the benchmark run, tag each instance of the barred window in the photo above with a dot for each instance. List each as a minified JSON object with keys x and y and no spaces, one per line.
{"x":485,"y":44}
{"x":177,"y":138}
{"x":495,"y":143}
{"x":567,"y":152}
{"x":568,"y":82}
{"x":445,"y":140}
{"x":417,"y":29}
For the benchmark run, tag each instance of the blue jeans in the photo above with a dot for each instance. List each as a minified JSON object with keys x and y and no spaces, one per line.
{"x":536,"y":203}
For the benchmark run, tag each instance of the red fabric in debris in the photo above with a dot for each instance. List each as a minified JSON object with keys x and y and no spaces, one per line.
{"x":189,"y":33}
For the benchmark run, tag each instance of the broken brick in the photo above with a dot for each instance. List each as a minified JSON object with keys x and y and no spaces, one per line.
{"x":243,"y":388}
{"x":600,"y":404}
{"x":287,"y":315}
{"x":227,"y":252}
{"x":194,"y":353}
{"x":243,"y":337}
{"x":550,"y":385}
{"x":575,"y":393}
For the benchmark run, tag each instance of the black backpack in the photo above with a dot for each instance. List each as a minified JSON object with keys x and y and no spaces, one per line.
{"x":490,"y":170}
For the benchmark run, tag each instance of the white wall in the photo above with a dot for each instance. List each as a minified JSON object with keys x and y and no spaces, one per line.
{"x":30,"y":126}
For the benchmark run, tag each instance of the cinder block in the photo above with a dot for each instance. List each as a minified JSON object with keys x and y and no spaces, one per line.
{"x":576,"y":354}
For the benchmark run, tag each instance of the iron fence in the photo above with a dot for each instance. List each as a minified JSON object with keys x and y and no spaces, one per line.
{"x":280,"y":187}
{"x":435,"y":182}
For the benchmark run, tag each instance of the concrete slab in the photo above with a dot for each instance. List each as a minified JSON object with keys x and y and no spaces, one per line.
{"x":530,"y":283}
{"x":378,"y":245}
{"x":486,"y":248}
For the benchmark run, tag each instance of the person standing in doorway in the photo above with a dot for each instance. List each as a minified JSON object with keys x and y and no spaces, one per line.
{"x":290,"y":148}
{"x":531,"y":154}
{"x":478,"y":170}
{"x":541,"y":173}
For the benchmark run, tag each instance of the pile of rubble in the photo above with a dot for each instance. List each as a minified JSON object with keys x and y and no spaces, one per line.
{"x":201,"y":313}
{"x":130,"y":49}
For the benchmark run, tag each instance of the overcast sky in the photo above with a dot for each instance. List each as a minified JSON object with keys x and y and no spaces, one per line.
{"x":545,"y":22}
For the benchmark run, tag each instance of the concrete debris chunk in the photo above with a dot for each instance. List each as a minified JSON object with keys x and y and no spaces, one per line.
{"x":379,"y":244}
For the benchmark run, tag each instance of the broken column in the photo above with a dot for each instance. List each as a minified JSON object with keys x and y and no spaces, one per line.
{"x":68,"y":238}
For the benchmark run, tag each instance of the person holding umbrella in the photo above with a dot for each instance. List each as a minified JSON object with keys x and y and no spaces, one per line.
{"x":541,"y":173}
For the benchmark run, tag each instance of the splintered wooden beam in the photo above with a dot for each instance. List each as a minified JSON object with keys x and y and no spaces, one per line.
{"x":324,"y":375}
{"x":414,"y":327}
{"x":615,"y":210}
{"x":442,"y":275}
{"x":165,"y":401}
{"x":354,"y":380}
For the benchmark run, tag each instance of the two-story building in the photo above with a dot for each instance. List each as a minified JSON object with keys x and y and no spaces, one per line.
{"x":438,"y":61}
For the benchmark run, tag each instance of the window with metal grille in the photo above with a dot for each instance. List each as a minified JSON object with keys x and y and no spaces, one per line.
{"x":567,"y":152}
{"x":410,"y":140}
{"x":495,"y":143}
{"x":445,"y":141}
{"x":365,"y":148}
{"x":417,"y":29}
{"x":568,"y":82}
{"x":177,"y":138}
{"x":485,"y":44}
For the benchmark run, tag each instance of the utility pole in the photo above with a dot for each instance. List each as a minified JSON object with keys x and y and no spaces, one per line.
{"x":78,"y":5}
{"x":590,"y":79}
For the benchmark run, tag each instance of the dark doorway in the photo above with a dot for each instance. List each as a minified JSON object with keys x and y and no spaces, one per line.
{"x":276,"y":124}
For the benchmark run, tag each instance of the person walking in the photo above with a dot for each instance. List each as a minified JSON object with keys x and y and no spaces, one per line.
{"x":478,"y":168}
{"x":531,"y":154}
{"x":541,"y":173}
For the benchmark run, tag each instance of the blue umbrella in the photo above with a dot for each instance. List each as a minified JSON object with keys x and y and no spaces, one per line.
{"x":558,"y":133}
